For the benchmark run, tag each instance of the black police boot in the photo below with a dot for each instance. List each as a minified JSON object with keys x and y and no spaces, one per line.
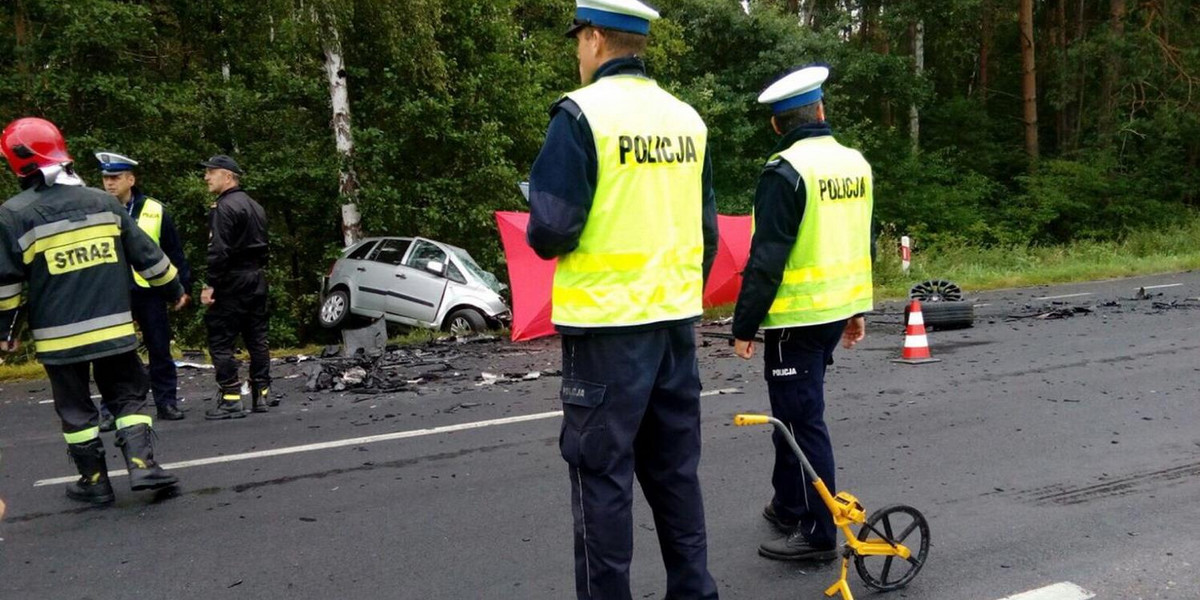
{"x":229,"y":404}
{"x":260,"y":397}
{"x":796,"y":547}
{"x":93,"y":486}
{"x":170,"y":412}
{"x":137,"y":443}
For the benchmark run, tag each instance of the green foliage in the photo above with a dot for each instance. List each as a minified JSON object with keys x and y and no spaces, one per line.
{"x":449,"y":104}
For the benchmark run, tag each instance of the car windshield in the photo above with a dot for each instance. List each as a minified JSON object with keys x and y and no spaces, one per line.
{"x":470,"y":265}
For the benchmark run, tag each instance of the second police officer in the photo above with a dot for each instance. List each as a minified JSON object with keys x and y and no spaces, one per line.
{"x":622,"y":194}
{"x":149,"y":311}
{"x":807,"y":284}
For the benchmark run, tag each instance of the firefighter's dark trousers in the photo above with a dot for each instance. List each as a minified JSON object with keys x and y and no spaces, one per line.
{"x":234,"y":315}
{"x":121,"y":381}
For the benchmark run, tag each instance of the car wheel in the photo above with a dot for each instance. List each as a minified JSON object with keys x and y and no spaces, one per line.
{"x":946,"y":315}
{"x":335,"y":309}
{"x":465,"y":321}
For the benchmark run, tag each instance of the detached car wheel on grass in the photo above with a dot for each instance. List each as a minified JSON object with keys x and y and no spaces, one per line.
{"x":335,"y":309}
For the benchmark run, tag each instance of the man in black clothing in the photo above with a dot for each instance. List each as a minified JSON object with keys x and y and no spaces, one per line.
{"x":236,"y":294}
{"x":149,"y":310}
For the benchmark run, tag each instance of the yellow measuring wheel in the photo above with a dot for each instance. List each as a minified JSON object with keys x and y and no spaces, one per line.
{"x":890,"y":547}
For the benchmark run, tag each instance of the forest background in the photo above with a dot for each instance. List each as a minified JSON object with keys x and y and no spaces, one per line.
{"x":990,"y":123}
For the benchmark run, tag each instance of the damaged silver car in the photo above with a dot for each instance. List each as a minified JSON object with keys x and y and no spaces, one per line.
{"x":413,"y":281}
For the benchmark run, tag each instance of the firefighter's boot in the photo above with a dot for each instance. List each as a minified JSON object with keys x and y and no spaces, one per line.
{"x":137,"y":443}
{"x":260,"y":395}
{"x":229,"y":404}
{"x":93,"y":486}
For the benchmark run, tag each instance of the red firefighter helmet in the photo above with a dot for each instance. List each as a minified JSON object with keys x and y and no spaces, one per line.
{"x":31,"y":144}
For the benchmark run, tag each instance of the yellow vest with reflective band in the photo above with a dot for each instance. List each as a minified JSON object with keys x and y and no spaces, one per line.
{"x":828,"y":273}
{"x":640,"y":255}
{"x":150,"y":221}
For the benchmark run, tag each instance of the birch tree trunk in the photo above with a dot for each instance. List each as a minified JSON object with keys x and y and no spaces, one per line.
{"x":1029,"y":79}
{"x":339,"y":100}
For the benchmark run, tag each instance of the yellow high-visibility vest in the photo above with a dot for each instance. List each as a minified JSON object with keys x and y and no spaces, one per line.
{"x":640,"y":256}
{"x":828,"y":273}
{"x":150,"y":221}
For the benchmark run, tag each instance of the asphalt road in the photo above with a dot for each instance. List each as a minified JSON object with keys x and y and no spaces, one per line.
{"x":1041,"y":451}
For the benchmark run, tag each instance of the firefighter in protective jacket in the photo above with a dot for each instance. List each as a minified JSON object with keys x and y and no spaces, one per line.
{"x":65,"y":253}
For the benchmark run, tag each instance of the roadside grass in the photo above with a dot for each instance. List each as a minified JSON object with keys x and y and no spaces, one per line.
{"x":21,"y":371}
{"x":973,"y":268}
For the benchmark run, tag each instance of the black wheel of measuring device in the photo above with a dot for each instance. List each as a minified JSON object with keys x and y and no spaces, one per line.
{"x":936,"y":290}
{"x":898,"y":524}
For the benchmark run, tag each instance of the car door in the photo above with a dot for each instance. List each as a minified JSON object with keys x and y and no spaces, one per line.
{"x":345,"y":270}
{"x":376,"y":275}
{"x":418,"y":291}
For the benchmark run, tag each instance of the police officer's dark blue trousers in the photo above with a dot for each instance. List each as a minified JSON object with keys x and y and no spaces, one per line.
{"x":150,"y":312}
{"x":631,"y":404}
{"x":796,"y":359}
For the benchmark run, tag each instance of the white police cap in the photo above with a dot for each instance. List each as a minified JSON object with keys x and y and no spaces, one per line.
{"x":620,"y":15}
{"x":796,"y":89}
{"x":112,"y":163}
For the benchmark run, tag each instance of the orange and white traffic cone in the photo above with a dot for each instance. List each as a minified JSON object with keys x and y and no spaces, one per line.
{"x":916,"y":343}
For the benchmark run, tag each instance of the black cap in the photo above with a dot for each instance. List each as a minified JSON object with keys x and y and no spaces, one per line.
{"x":221,"y":161}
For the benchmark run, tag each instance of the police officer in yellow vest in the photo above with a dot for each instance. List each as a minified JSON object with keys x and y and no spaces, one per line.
{"x":149,"y":311}
{"x":621,"y":194}
{"x":807,"y":284}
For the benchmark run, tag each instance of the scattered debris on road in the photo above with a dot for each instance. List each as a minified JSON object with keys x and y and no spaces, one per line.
{"x":450,"y":361}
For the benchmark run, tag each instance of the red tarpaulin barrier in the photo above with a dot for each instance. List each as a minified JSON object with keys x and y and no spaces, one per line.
{"x":532,"y":278}
{"x":529,"y":277}
{"x":733,"y":250}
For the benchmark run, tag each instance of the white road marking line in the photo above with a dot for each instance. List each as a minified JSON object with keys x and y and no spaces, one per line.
{"x":983,"y":305}
{"x":371,"y":439}
{"x":1059,"y":591}
{"x":1165,"y":285}
{"x":1064,"y":296}
{"x":359,"y":441}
